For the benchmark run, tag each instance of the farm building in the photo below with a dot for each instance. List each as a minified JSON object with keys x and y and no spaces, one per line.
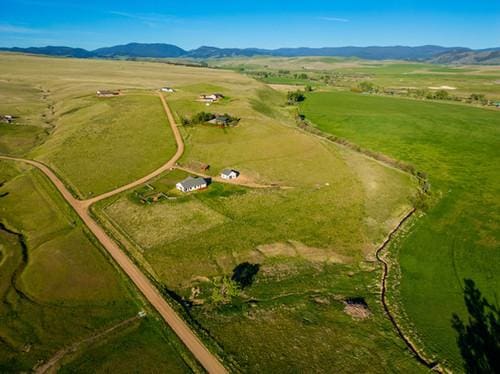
{"x":107,"y":93}
{"x":211,"y":98}
{"x":220,"y":120}
{"x":229,"y":174}
{"x":191,"y":184}
{"x":167,"y":89}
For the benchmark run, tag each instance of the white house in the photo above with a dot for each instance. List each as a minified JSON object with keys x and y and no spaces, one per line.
{"x":229,"y":174}
{"x":191,"y":184}
{"x":210,"y":98}
{"x":167,"y":89}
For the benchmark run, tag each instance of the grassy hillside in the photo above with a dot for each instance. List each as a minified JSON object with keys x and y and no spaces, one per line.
{"x":458,"y":237}
{"x":30,"y":104}
{"x":89,"y":136}
{"x":94,"y":134}
{"x":56,"y":286}
{"x":314,"y":239}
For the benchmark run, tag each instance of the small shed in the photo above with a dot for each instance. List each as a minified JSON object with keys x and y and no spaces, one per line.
{"x":229,"y":174}
{"x":107,"y":93}
{"x":167,"y":89}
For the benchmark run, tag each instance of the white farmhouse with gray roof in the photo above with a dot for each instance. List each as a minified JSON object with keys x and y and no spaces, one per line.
{"x":229,"y":174}
{"x":191,"y":184}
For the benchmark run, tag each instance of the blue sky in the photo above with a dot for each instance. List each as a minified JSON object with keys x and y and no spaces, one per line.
{"x":266,"y":24}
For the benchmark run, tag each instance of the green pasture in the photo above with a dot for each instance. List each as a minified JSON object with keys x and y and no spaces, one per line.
{"x":56,"y":286}
{"x":458,"y":237}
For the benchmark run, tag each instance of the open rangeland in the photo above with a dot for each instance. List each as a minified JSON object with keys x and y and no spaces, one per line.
{"x":283,"y":274}
{"x":313,"y":241}
{"x":457,"y":237}
{"x":57,"y":288}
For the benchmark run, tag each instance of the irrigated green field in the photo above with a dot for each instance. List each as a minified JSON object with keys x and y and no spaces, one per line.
{"x":459,"y":236}
{"x":347,"y":72}
{"x":57,"y":288}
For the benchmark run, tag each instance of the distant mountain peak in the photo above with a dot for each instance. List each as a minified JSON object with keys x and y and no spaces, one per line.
{"x":162,"y":50}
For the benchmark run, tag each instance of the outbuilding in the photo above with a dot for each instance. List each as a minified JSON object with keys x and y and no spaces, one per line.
{"x":191,"y":184}
{"x":229,"y":174}
{"x":107,"y":93}
{"x":167,"y":89}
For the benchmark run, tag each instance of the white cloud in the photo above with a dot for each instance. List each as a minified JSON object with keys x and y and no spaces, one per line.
{"x":149,"y":19}
{"x":8,"y":28}
{"x":334,"y":19}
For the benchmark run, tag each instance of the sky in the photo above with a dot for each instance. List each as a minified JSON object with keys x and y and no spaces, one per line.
{"x":189,"y":24}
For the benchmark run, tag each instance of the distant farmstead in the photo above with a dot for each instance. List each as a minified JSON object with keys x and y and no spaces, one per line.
{"x":229,"y":174}
{"x":210,"y":98}
{"x":191,"y":184}
{"x":107,"y":93}
{"x":220,"y":120}
{"x":167,"y":89}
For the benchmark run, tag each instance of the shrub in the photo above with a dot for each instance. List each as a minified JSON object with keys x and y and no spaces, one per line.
{"x":294,"y":97}
{"x":224,"y":290}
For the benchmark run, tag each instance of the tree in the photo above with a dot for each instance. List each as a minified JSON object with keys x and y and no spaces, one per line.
{"x":367,"y":87}
{"x":308,"y":88}
{"x":224,"y":290}
{"x":442,"y":95}
{"x":295,"y":97}
{"x":202,"y":117}
{"x":479,"y":339}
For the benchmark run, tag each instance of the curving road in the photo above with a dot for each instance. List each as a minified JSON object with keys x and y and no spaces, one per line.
{"x":209,"y":361}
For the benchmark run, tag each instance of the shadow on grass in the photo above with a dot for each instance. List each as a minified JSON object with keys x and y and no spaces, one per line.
{"x":479,"y":337}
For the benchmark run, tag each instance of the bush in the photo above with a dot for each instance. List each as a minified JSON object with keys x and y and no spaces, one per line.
{"x":294,"y":97}
{"x":224,"y":290}
{"x":367,"y":87}
{"x":202,"y":117}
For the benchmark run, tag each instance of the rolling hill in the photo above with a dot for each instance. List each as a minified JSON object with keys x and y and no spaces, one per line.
{"x":431,"y":53}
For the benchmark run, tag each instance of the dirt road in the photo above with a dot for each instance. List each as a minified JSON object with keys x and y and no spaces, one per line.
{"x":81,"y":207}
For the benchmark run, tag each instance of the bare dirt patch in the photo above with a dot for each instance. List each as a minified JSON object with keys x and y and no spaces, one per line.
{"x":286,"y":87}
{"x":292,"y":248}
{"x":442,"y":88}
{"x":357,"y":308}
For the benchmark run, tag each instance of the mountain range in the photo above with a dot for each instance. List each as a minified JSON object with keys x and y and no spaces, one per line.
{"x":430,"y":53}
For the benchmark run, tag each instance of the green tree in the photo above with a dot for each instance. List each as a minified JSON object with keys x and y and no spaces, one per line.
{"x":224,"y":290}
{"x":294,"y":97}
{"x":367,"y":87}
{"x":442,"y":95}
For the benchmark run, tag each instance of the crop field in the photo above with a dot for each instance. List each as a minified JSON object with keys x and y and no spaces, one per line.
{"x":56,"y":286}
{"x":458,"y":236}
